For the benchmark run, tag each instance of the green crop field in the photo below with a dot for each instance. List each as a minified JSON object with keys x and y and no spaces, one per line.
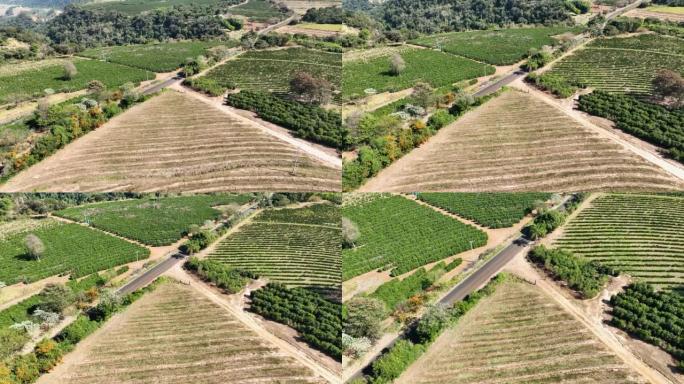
{"x":257,"y":10}
{"x":134,"y":7}
{"x":400,"y":235}
{"x":272,"y":70}
{"x":154,"y":221}
{"x":29,"y":80}
{"x":642,"y":235}
{"x":622,"y":65}
{"x":496,"y":47}
{"x":370,"y":69}
{"x":493,"y":210}
{"x":294,"y":253}
{"x":160,"y":57}
{"x":69,"y":248}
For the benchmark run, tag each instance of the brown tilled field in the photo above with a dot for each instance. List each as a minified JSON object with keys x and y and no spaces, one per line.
{"x":300,"y":6}
{"x":517,"y":142}
{"x":176,"y":142}
{"x":518,"y":335}
{"x":176,"y":335}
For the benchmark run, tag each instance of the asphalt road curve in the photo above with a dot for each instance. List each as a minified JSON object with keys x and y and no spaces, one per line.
{"x":149,"y":276}
{"x":495,"y":86}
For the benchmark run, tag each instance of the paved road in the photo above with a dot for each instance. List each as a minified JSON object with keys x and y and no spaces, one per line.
{"x":620,"y":11}
{"x":495,"y":86}
{"x":470,"y":284}
{"x":149,"y":276}
{"x":158,"y":87}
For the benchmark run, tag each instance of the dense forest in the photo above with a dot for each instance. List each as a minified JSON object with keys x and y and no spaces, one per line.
{"x":431,"y":16}
{"x":77,"y":28}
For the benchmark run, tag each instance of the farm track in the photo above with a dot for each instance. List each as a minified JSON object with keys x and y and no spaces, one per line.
{"x":512,"y":337}
{"x":189,"y":146}
{"x":504,"y":145}
{"x":213,"y":346}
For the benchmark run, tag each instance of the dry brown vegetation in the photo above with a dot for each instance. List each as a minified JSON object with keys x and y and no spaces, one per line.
{"x":176,"y":142}
{"x":518,"y":335}
{"x":517,"y":142}
{"x":176,"y":335}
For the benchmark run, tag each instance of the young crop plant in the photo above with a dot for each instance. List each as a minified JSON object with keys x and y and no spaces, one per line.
{"x":153,"y":221}
{"x":157,"y":57}
{"x":282,"y":245}
{"x":492,"y":210}
{"x":69,"y":249}
{"x":399,"y":235}
{"x":496,"y":47}
{"x":639,"y":235}
{"x":318,"y":320}
{"x":370,"y":69}
{"x":29,"y":80}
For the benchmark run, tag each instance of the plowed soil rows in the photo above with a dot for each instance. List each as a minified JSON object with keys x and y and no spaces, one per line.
{"x":516,"y":142}
{"x":176,"y":335}
{"x":518,"y":335}
{"x":174,"y":142}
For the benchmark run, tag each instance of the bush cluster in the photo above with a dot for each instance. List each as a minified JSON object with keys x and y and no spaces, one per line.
{"x":584,"y":276}
{"x":318,"y":320}
{"x":229,"y":279}
{"x":307,"y":121}
{"x":654,"y":123}
{"x":655,"y":317}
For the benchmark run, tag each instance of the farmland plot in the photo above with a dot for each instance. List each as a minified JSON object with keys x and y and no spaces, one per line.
{"x":176,"y":335}
{"x":160,"y":57}
{"x":286,"y":251}
{"x":155,"y":222}
{"x":69,"y":248}
{"x":135,"y":7}
{"x":639,"y":235}
{"x":504,"y":145}
{"x":272,"y":70}
{"x":493,"y":210}
{"x":29,"y":80}
{"x":370,"y":69}
{"x":399,"y":235}
{"x":176,"y":142}
{"x":622,"y":65}
{"x":257,"y":10}
{"x":513,"y":336}
{"x":496,"y":47}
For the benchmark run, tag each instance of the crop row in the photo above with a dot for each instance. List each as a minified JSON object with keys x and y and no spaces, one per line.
{"x":638,"y":234}
{"x":493,"y":210}
{"x":497,"y":47}
{"x":69,"y":248}
{"x":318,"y":320}
{"x":400,"y":235}
{"x":421,"y":65}
{"x":159,"y":221}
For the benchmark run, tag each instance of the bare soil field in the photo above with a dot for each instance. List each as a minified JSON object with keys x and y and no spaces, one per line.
{"x":518,"y":335}
{"x":176,"y":335}
{"x":517,"y":142}
{"x":300,"y":6}
{"x":644,"y":13}
{"x":177,"y":142}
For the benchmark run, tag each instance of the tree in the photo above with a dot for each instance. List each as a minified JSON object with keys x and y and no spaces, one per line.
{"x":35,"y":248}
{"x":56,"y":298}
{"x":431,"y":324}
{"x":423,"y":94}
{"x":669,"y":85}
{"x":96,"y":87}
{"x":350,"y":233}
{"x":363,"y":317}
{"x":70,"y":70}
{"x":397,"y":65}
{"x":6,"y":206}
{"x":311,"y":89}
